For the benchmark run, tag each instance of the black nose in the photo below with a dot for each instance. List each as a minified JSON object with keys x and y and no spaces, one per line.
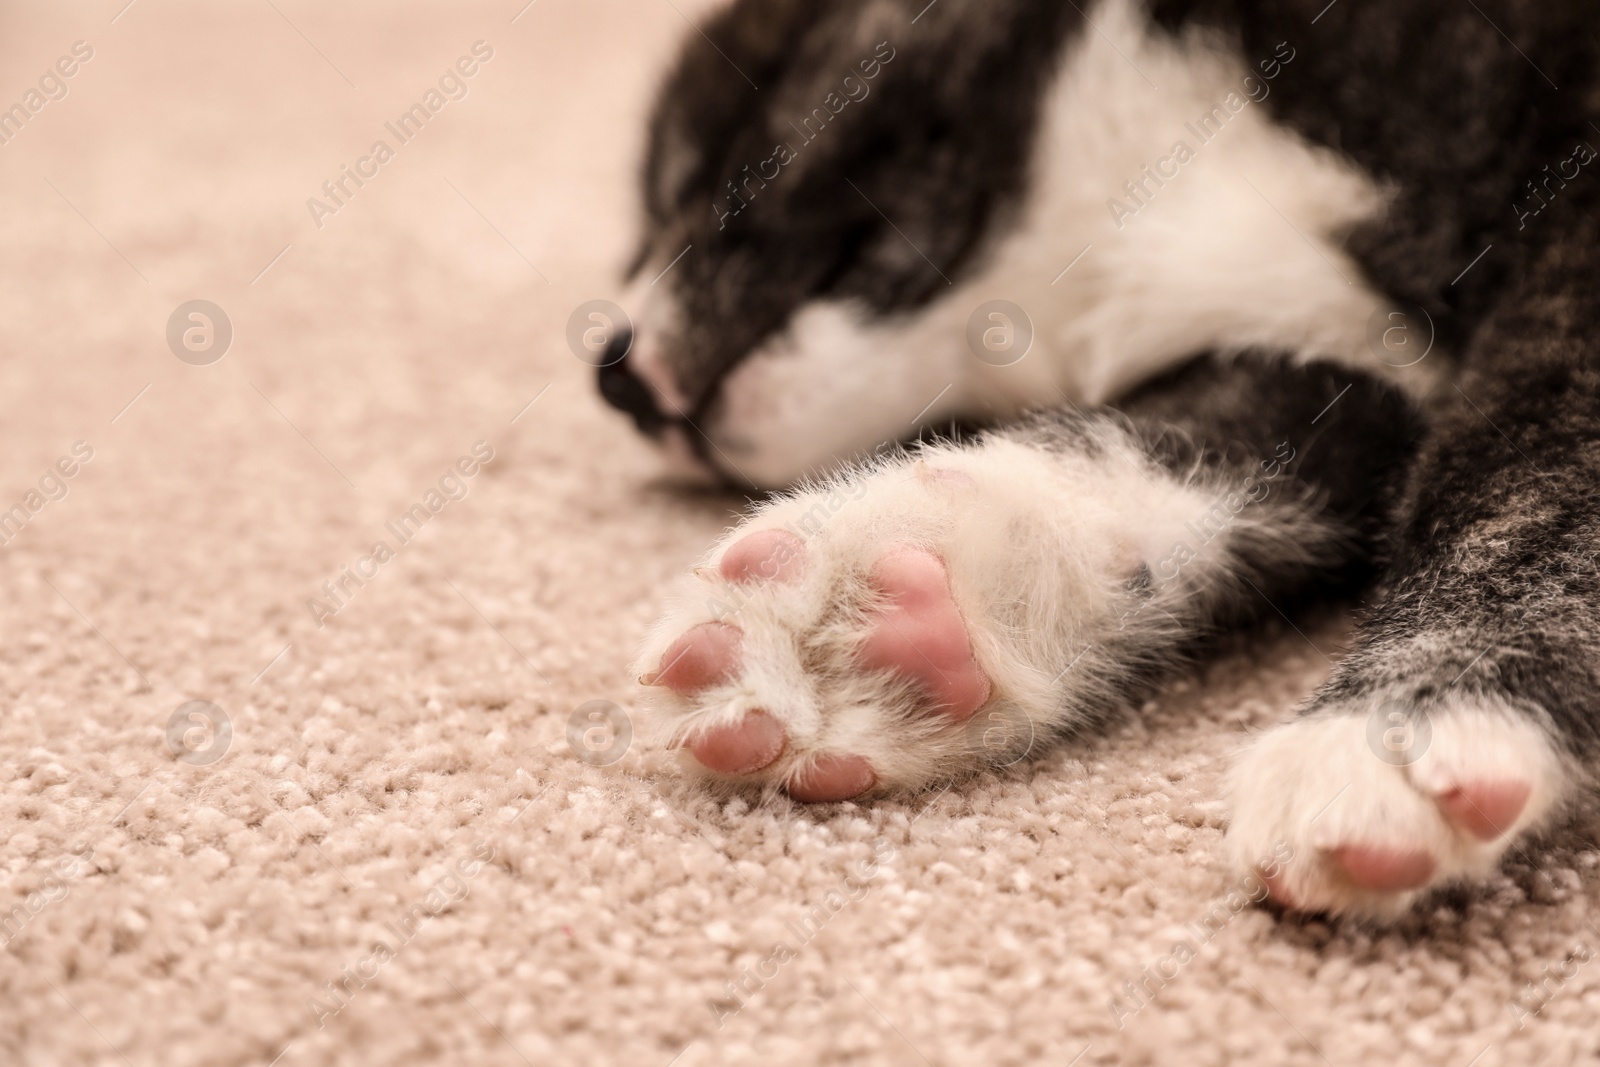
{"x":626,"y":391}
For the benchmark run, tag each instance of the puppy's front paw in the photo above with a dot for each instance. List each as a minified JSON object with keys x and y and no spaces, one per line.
{"x":861,"y":637}
{"x":822,"y":680}
{"x":927,"y":617}
{"x":1359,"y":812}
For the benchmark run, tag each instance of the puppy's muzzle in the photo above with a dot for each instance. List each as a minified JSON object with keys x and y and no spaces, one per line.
{"x":625,"y":390}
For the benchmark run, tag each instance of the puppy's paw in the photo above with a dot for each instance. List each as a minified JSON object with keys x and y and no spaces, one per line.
{"x":827,"y":703}
{"x":1360,"y":812}
{"x":883,"y":632}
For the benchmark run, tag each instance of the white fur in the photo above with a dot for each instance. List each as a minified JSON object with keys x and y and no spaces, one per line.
{"x":1316,"y":784}
{"x":1240,"y":249}
{"x":1050,"y":617}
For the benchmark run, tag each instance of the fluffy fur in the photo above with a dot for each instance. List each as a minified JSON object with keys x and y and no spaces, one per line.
{"x":1358,"y":159}
{"x":1239,"y":249}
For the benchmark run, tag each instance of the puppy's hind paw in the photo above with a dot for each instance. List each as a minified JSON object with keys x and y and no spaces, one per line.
{"x":1359,"y":812}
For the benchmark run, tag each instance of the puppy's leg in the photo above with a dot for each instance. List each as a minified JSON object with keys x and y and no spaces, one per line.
{"x":964,"y":605}
{"x":1470,"y":707}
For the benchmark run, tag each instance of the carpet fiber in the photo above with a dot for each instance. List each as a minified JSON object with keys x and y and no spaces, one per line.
{"x":390,"y":854}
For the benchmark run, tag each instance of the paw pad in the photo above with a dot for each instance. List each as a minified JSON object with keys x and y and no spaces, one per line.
{"x":919,"y":632}
{"x":1385,"y":870}
{"x":833,"y":778}
{"x":742,"y":747}
{"x":1367,"y":834}
{"x":911,"y":629}
{"x":766,"y":556}
{"x":705,"y":656}
{"x":1486,"y":810}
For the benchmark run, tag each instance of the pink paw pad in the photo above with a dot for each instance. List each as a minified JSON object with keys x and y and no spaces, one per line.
{"x":829,"y":778}
{"x":765,"y":556}
{"x":920,"y":632}
{"x":1386,"y":870}
{"x":1486,"y":810}
{"x":741,"y":747}
{"x":1278,"y":891}
{"x":704,"y":656}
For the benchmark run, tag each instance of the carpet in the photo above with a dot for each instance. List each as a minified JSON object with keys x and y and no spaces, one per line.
{"x":315,"y":591}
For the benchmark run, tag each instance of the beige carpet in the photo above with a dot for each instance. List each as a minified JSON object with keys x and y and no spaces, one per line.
{"x":401,"y":775}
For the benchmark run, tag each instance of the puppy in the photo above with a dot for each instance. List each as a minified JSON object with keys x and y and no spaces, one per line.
{"x":1256,"y":301}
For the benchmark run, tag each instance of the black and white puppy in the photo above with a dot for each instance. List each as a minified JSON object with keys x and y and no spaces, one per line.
{"x":1332,"y":265}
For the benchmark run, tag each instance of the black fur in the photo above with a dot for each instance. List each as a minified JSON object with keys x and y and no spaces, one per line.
{"x":1466,"y":109}
{"x":1495,"y":587}
{"x":1336,"y":446}
{"x":1353,"y":437}
{"x":940,"y":145}
{"x":1454,"y":104}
